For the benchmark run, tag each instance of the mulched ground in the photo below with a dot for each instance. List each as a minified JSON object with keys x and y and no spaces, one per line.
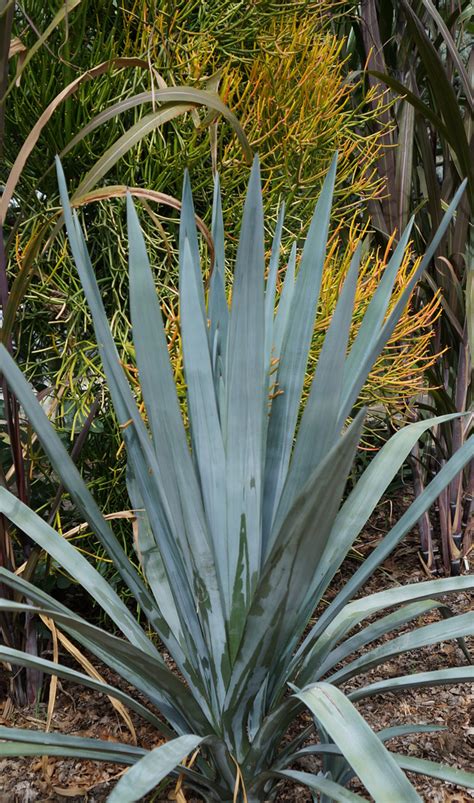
{"x":84,"y":713}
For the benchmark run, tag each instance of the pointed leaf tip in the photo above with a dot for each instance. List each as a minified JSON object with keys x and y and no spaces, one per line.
{"x":186,"y":182}
{"x":254,"y":173}
{"x":61,"y":179}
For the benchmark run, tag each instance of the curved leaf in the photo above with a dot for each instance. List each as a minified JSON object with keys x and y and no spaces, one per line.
{"x":78,"y":567}
{"x":370,"y":760}
{"x":180,"y":99}
{"x":352,"y":614}
{"x":294,"y":357}
{"x":26,"y":742}
{"x":62,"y":14}
{"x":322,"y":785}
{"x":245,"y":383}
{"x":403,"y":526}
{"x":156,"y":681}
{"x":454,"y":627}
{"x":42,"y":121}
{"x":152,"y":768}
{"x":439,"y":677}
{"x":19,"y":658}
{"x":433,"y":770}
{"x":374,"y":631}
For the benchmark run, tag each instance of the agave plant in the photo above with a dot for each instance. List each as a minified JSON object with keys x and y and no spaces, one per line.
{"x":241,"y":529}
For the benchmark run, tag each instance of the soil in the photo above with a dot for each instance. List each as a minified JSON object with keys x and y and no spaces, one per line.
{"x":83,"y":712}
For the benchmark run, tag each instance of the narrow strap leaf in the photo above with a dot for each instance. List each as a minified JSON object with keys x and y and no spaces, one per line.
{"x":438,"y":677}
{"x":152,"y":768}
{"x":284,"y":307}
{"x":18,"y":658}
{"x":374,"y":631}
{"x":454,"y":465}
{"x":172,"y":543}
{"x":176,"y":470}
{"x":324,"y":635}
{"x":245,"y":409}
{"x":365,"y":753}
{"x":73,"y":481}
{"x":294,"y":356}
{"x":359,"y":505}
{"x":152,"y":564}
{"x":275,"y":620}
{"x":270,"y":288}
{"x":217,"y":308}
{"x":373,"y":345}
{"x":203,"y":413}
{"x":318,"y":430}
{"x":52,"y":738}
{"x":77,"y":565}
{"x":321,"y":785}
{"x":454,"y":627}
{"x":158,"y":683}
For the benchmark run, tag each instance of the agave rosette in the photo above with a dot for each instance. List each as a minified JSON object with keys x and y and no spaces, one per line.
{"x":242,"y":527}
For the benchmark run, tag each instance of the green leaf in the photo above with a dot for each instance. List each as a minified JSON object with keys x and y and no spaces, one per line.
{"x":172,"y":542}
{"x":245,"y":411}
{"x":29,"y":144}
{"x":438,"y":677}
{"x":73,"y":481}
{"x":23,"y":742}
{"x":375,"y":313}
{"x":208,"y":447}
{"x":373,"y":342}
{"x":385,"y":734}
{"x":218,"y":310}
{"x":158,"y":683}
{"x":320,"y":425}
{"x":276,"y":618}
{"x":270,"y":288}
{"x":321,"y":785}
{"x":370,"y":760}
{"x":65,"y":9}
{"x":355,"y":512}
{"x":417,"y":103}
{"x":182,"y":99}
{"x":284,"y":305}
{"x":454,"y":627}
{"x":374,"y":631}
{"x":152,"y":564}
{"x":294,"y":357}
{"x":153,"y":768}
{"x":434,"y":770}
{"x":181,"y":492}
{"x":331,"y":629}
{"x":18,"y":658}
{"x":188,"y":231}
{"x":78,"y":567}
